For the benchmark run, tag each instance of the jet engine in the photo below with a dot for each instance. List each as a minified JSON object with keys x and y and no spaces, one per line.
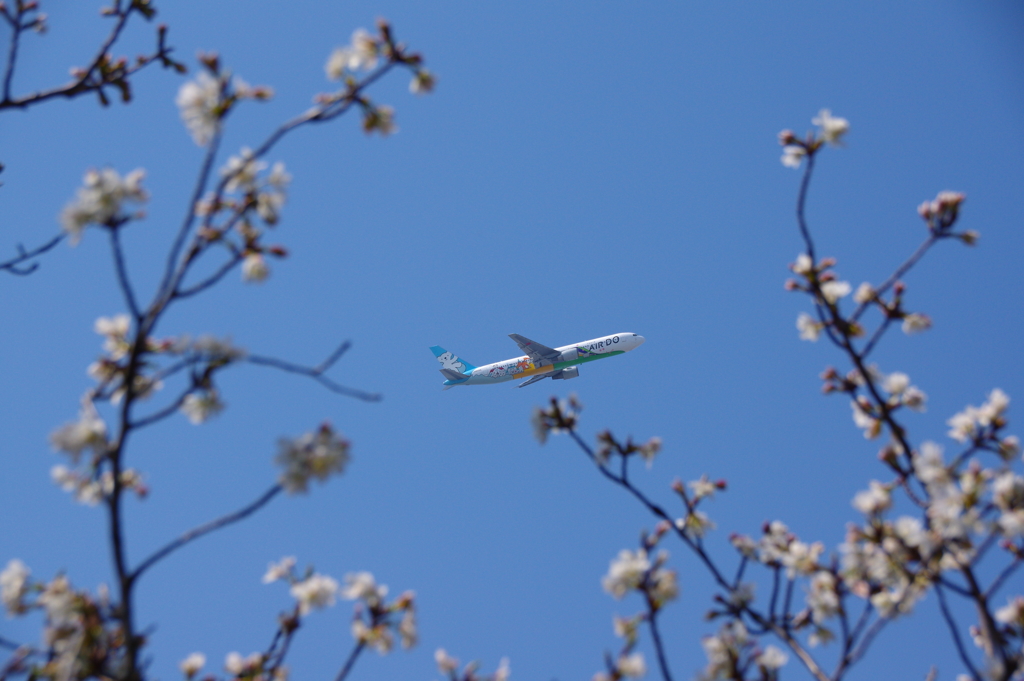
{"x":570,"y":355}
{"x":567,"y":373}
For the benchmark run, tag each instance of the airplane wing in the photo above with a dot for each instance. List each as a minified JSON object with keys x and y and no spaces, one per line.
{"x":533,"y":379}
{"x":540,"y":354}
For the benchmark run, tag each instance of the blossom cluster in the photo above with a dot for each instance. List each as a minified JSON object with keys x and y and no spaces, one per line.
{"x":636,"y":571}
{"x":827,"y":290}
{"x":246,"y":191}
{"x":733,"y":651}
{"x":560,"y":417}
{"x":696,"y":523}
{"x":101,"y":200}
{"x":319,"y":455}
{"x":375,"y":621}
{"x":449,"y":666}
{"x":81,"y":636}
{"x":204,"y":101}
{"x":831,"y":130}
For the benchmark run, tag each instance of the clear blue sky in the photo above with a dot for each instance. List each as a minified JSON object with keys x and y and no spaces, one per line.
{"x":582,"y":169}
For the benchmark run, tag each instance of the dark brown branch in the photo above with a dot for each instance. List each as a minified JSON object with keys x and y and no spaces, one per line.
{"x":23,"y":255}
{"x":652,"y":621}
{"x":1003,"y":576}
{"x":801,"y":201}
{"x":954,"y":631}
{"x":122,"y":272}
{"x":87,"y":81}
{"x":316,"y":373}
{"x":347,"y":667}
{"x":205,"y":529}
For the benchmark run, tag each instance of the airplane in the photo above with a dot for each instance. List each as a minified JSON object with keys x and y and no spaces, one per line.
{"x":540,"y":361}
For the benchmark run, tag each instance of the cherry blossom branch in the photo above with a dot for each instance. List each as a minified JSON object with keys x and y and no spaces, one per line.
{"x":205,"y":529}
{"x":163,"y":291}
{"x":865,"y":642}
{"x":175,"y":273}
{"x":23,"y":255}
{"x":122,"y":272}
{"x":221,"y":272}
{"x":101,"y":72}
{"x":317,"y":372}
{"x":898,"y":273}
{"x":347,"y":667}
{"x":801,"y":202}
{"x":768,"y":623}
{"x":1003,"y":576}
{"x":652,"y":621}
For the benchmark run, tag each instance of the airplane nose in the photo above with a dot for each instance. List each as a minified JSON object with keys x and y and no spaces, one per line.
{"x":639,"y":340}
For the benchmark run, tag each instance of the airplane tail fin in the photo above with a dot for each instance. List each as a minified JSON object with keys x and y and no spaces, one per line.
{"x":453,"y":368}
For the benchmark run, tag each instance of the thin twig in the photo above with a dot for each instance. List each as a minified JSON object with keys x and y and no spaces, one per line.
{"x":316,"y":373}
{"x":895,"y":276}
{"x":350,"y":661}
{"x":801,"y":201}
{"x":652,"y":621}
{"x":23,"y":255}
{"x":954,"y":630}
{"x":122,"y":272}
{"x":205,"y":529}
{"x":1007,"y":571}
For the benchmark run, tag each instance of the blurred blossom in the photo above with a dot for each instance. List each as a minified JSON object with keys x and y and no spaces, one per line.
{"x":362,"y":586}
{"x":115,"y":329}
{"x":380,"y":119}
{"x":361,"y":54}
{"x":864,"y":293}
{"x":199,"y":102}
{"x":832,"y":127}
{"x":772,"y":658}
{"x":695,"y":524}
{"x":724,"y":649}
{"x":803,"y":265}
{"x":235,"y":664}
{"x":895,"y":383}
{"x":915,"y":322}
{"x":914,"y":398}
{"x":314,"y":455}
{"x":626,"y":572}
{"x":280,"y":570}
{"x":191,"y":665}
{"x":315,"y":592}
{"x":14,"y":586}
{"x":833,"y":290}
{"x":702,"y":488}
{"x":446,"y":664}
{"x":199,"y":407}
{"x":793,"y":155}
{"x":1012,"y":614}
{"x":822,"y":598}
{"x":873,"y":500}
{"x":649,"y":450}
{"x":809,"y":328}
{"x":100,"y":198}
{"x":862,"y":419}
{"x":423,"y":82}
{"x":241,"y":171}
{"x":88,"y":432}
{"x":255,"y":268}
{"x":631,"y":666}
{"x":217,"y":349}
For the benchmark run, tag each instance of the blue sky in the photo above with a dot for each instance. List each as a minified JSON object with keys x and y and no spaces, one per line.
{"x":581,"y":170}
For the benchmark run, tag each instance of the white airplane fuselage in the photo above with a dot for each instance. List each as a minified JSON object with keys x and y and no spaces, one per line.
{"x":560,"y":362}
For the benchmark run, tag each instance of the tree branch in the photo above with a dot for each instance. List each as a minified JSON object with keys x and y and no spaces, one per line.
{"x":316,"y":373}
{"x":205,"y":529}
{"x":23,"y":255}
